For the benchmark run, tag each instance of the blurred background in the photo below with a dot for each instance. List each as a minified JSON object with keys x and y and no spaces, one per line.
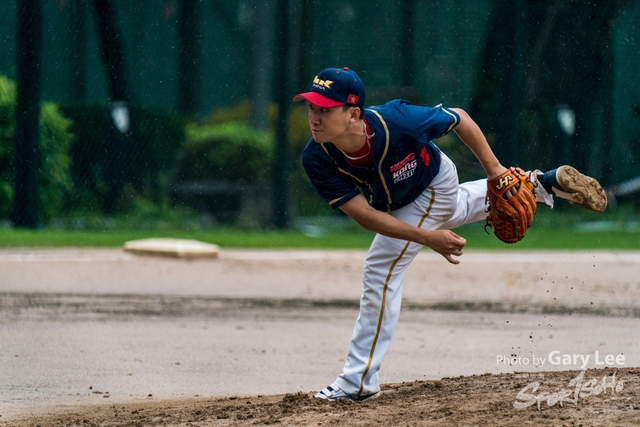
{"x":180,"y":110}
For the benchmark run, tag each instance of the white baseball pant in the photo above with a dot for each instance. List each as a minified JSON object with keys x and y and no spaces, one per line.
{"x":445,"y":204}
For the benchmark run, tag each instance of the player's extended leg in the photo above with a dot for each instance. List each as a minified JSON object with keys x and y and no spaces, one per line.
{"x":567,"y":183}
{"x":471,"y":205}
{"x":564,"y":182}
{"x":384,"y":272}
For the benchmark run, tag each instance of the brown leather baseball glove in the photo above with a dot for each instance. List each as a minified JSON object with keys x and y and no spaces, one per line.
{"x":510,"y":217}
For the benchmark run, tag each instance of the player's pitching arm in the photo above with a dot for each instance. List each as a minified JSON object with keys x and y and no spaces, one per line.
{"x":445,"y":242}
{"x":471,"y":135}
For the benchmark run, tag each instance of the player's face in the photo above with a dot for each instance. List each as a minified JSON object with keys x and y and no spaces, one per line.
{"x":328,"y":124}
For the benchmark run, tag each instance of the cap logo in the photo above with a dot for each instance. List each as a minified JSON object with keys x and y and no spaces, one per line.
{"x":324,"y":84}
{"x":352,"y":99}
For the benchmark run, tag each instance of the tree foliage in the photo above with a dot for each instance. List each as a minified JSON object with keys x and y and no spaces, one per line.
{"x":566,"y":53}
{"x":55,"y":141}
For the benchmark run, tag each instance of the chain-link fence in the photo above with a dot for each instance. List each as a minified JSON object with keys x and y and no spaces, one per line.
{"x":550,"y":82}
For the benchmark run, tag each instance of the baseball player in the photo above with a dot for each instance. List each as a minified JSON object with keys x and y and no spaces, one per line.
{"x":380,"y":166}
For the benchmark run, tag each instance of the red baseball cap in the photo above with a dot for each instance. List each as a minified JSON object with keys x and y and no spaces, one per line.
{"x":333,"y":87}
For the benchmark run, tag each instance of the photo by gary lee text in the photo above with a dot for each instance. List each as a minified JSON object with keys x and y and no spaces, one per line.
{"x":557,"y":358}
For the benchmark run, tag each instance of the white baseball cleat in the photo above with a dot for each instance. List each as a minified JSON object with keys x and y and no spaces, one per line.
{"x":333,"y":392}
{"x":580,"y":189}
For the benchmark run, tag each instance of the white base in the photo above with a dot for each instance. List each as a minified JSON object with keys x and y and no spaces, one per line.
{"x":177,"y":248}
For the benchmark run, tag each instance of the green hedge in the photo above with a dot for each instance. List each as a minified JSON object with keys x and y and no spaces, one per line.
{"x":304,"y":200}
{"x":230,"y":151}
{"x":55,"y":142}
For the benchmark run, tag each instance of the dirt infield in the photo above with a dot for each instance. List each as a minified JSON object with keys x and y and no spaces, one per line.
{"x":606,"y":397}
{"x":217,"y":343}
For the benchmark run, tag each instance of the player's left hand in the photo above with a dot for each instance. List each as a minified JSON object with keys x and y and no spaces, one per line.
{"x":512,"y":205}
{"x":498,"y":171}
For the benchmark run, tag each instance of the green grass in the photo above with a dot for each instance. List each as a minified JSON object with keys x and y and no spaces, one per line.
{"x":229,"y":238}
{"x":560,"y":237}
{"x":567,"y":229}
{"x":541,"y":237}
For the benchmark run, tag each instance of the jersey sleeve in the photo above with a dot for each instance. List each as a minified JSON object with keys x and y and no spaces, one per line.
{"x":326,"y":179}
{"x":428,"y":123}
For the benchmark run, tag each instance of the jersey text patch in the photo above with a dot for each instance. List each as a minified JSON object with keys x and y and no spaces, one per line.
{"x":404,"y":169}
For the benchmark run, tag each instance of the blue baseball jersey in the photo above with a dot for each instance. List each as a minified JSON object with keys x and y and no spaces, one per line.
{"x":405,"y":159}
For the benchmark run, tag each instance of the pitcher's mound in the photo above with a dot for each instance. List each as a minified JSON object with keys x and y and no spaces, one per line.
{"x":177,"y":248}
